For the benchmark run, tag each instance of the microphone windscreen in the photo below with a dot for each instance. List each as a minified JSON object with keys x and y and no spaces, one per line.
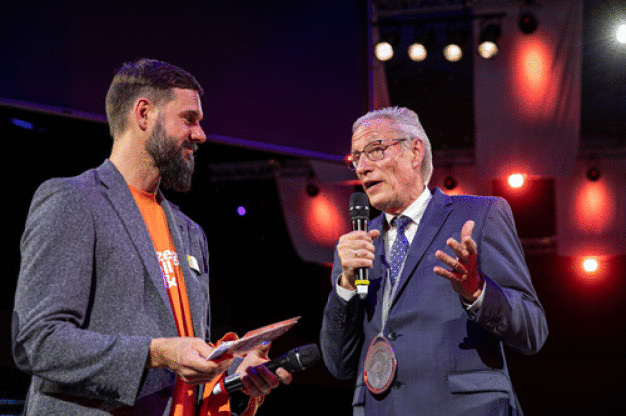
{"x":359,"y":206}
{"x":305,"y":356}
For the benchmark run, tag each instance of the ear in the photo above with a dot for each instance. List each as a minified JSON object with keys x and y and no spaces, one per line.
{"x":141,"y":111}
{"x":417,"y":147}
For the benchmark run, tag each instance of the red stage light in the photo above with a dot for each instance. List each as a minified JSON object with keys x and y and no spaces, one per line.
{"x":533,"y":75}
{"x":590,"y":264}
{"x":324,"y":222}
{"x":592,"y":270}
{"x":595,"y":207}
{"x":516,"y":180}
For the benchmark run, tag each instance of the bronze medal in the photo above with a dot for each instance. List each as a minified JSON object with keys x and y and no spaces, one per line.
{"x":380,"y":366}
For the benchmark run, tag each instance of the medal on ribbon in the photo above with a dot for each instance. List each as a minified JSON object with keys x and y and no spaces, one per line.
{"x":380,"y":366}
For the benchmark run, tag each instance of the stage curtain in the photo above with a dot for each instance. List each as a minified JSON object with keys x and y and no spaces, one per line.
{"x":527,"y":98}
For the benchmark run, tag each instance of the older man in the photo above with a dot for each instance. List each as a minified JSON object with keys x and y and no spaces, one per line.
{"x":449,"y":287}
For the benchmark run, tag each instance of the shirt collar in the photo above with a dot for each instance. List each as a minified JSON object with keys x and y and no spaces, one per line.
{"x":416,"y":210}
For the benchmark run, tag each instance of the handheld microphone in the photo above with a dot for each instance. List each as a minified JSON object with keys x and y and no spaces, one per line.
{"x":359,"y":215}
{"x":299,"y":358}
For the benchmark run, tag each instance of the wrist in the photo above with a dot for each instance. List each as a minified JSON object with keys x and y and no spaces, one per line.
{"x":474,"y":291}
{"x":155,"y":355}
{"x":346,"y":283}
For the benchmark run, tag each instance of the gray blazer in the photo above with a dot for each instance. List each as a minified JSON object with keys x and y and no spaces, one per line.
{"x":449,"y":361}
{"x":90,"y":297}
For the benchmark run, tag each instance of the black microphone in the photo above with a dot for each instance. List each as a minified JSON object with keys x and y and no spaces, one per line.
{"x":359,"y":215}
{"x":297,"y":359}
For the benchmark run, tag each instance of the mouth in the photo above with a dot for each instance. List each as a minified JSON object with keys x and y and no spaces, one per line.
{"x":189,"y":149}
{"x":370,"y":184}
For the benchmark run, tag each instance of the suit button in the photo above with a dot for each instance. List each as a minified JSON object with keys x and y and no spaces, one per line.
{"x":392,"y":336}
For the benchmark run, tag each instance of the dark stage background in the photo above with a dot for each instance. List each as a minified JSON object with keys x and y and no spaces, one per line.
{"x":275,"y":73}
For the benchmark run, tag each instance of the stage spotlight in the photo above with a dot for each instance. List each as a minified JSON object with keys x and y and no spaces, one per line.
{"x":384,"y":49}
{"x":453,"y":51}
{"x":516,"y":180}
{"x":621,"y":34}
{"x":312,"y":189}
{"x":418,"y":50}
{"x":590,"y":264}
{"x":449,"y":183}
{"x":593,"y":174}
{"x":527,"y":23}
{"x":487,"y":41}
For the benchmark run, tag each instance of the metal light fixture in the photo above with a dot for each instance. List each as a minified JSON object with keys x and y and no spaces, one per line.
{"x":527,"y":23}
{"x":487,"y":41}
{"x":418,"y":50}
{"x":385,"y":48}
{"x":453,"y":51}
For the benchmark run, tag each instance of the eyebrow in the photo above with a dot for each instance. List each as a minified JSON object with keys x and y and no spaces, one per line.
{"x":195,"y":114}
{"x":368,"y":143}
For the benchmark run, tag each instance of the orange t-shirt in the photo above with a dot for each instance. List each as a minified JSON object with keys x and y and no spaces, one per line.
{"x":153,"y":215}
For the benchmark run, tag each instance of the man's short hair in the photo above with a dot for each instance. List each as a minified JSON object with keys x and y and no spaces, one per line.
{"x":146,"y":77}
{"x":409,"y":124}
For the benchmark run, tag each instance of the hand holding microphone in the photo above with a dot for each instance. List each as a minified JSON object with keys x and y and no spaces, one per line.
{"x":297,"y":359}
{"x":356,"y":249}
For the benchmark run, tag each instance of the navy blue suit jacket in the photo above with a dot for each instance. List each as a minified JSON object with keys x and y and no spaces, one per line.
{"x":449,"y":362}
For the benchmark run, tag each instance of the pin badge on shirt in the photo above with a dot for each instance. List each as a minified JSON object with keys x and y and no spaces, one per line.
{"x":193,"y":263}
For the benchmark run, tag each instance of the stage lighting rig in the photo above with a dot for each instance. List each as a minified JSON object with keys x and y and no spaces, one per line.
{"x":453,"y":51}
{"x":418,"y":50}
{"x":593,"y":174}
{"x":487,"y":40}
{"x":385,"y":48}
{"x":527,"y":23}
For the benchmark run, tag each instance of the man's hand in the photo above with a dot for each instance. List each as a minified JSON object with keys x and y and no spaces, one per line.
{"x":187,"y":358}
{"x":356,"y":250}
{"x":464,"y":274}
{"x":256,"y":378}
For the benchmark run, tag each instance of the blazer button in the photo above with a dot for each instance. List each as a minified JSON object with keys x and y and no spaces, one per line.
{"x":392,"y":336}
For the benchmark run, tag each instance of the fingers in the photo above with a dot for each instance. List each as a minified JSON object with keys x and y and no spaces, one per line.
{"x":259,"y":381}
{"x":457,"y":268}
{"x":466,"y":237}
{"x":284,"y":376}
{"x":187,"y":358}
{"x":263,"y":350}
{"x":467,"y":247}
{"x":356,"y":250}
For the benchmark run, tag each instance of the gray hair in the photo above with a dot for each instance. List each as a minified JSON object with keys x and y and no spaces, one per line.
{"x":408,"y":123}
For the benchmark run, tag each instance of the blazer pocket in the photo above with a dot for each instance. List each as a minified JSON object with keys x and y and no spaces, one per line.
{"x":479,"y":381}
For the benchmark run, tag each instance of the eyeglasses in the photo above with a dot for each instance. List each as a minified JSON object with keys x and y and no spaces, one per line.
{"x":374,"y":151}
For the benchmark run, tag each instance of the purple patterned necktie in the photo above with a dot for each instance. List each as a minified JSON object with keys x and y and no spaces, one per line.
{"x":399,"y":248}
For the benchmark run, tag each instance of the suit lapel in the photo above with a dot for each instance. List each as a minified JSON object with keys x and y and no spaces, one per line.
{"x":436,"y":213}
{"x":122,"y":200}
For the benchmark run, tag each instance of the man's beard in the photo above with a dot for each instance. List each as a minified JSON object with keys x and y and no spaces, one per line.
{"x":175,"y":170}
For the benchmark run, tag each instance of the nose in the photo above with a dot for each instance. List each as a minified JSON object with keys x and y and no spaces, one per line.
{"x":197,"y":134}
{"x":363,"y":165}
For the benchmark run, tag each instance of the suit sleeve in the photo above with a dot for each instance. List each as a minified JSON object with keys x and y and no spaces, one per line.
{"x":341,"y":337}
{"x":511,"y":309}
{"x":53,"y":294}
